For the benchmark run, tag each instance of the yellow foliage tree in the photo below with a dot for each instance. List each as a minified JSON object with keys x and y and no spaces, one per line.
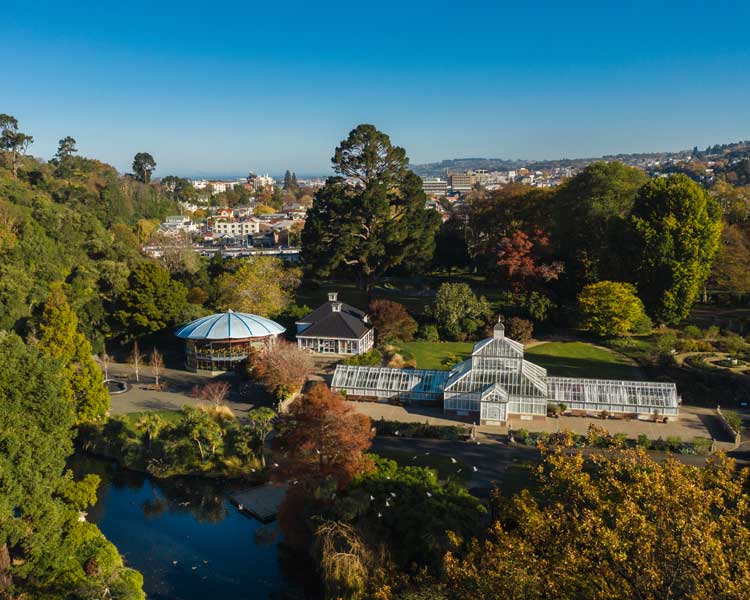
{"x":262,"y":286}
{"x":614,"y":527}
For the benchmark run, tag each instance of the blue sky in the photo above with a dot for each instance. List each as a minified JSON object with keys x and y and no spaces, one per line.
{"x":225,"y":87}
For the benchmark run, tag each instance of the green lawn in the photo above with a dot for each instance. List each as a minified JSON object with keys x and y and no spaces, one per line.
{"x":579,"y":359}
{"x":431,"y":355}
{"x":564,"y":359}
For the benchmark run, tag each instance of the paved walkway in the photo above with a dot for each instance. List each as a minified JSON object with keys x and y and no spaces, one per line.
{"x":694,"y":421}
{"x":177,"y":386}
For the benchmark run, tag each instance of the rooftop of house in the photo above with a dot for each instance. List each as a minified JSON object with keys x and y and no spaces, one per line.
{"x":335,"y":319}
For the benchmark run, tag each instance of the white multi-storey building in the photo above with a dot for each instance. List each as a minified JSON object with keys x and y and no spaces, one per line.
{"x":236,"y":228}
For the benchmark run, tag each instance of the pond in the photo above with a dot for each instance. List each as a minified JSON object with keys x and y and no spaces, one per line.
{"x":188,"y":541}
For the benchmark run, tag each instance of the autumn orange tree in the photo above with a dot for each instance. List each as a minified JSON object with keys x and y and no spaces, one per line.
{"x":282,"y":368}
{"x":319,"y":444}
{"x":615,"y":527}
{"x":322,"y":436}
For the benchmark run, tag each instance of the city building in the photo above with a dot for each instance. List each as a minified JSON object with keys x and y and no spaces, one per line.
{"x":175,"y":224}
{"x":434,"y":186}
{"x":243,"y":227}
{"x":335,"y":328}
{"x":220,"y":342}
{"x":460,"y":182}
{"x":496,"y":384}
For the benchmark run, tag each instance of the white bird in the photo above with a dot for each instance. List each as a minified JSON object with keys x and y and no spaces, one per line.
{"x":82,"y":516}
{"x":275,"y":464}
{"x":429,"y":495}
{"x":387,"y":503}
{"x":294,"y":482}
{"x":414,"y":457}
{"x":253,"y":470}
{"x":380,"y":515}
{"x":194,"y":568}
{"x":395,"y":432}
{"x":459,"y":470}
{"x":240,"y":507}
{"x":453,"y":460}
{"x":317,"y":451}
{"x":479,"y":443}
{"x":174,"y":562}
{"x":426,"y":453}
{"x":387,"y":477}
{"x":372,"y":497}
{"x":475,"y":469}
{"x":393,"y":494}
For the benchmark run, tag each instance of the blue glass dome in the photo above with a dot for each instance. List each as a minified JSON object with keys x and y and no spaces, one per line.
{"x":229,"y":326}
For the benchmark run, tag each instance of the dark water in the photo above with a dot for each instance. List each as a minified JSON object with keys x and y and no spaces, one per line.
{"x":189,"y":542}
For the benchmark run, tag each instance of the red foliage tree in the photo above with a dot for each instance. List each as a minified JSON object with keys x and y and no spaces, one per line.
{"x":322,"y":436}
{"x":392,"y":321}
{"x":282,"y":368}
{"x":319,"y":444}
{"x":520,"y":263}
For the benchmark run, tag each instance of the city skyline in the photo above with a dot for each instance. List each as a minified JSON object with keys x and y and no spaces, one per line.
{"x":215,"y":93}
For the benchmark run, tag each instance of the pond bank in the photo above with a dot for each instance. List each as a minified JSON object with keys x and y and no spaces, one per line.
{"x":187,"y":539}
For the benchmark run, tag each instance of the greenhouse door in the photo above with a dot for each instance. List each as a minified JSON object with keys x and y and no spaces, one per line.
{"x":493,"y":413}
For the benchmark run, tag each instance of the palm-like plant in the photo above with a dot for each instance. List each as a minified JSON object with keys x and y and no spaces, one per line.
{"x":150,"y":424}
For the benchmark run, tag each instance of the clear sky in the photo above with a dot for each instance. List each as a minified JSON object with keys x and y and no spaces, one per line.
{"x":227,"y":87}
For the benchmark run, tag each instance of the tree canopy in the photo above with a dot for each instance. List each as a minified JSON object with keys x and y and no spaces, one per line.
{"x":46,"y":550}
{"x":152,"y":302}
{"x":614,"y":527}
{"x":372,"y":218}
{"x":60,"y":339}
{"x":143,"y":165}
{"x":611,"y":308}
{"x":676,"y":228}
{"x":590,"y":213}
{"x":262,"y":286}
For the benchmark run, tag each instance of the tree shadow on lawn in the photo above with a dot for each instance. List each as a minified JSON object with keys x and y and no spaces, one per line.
{"x":568,"y":366}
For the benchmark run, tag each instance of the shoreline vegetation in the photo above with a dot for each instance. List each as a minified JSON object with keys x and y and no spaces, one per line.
{"x":206,"y":441}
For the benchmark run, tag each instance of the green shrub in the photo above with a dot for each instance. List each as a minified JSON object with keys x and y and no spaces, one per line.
{"x":419,"y":430}
{"x":521,"y":436}
{"x":429,"y":333}
{"x":692,"y":332}
{"x":643,"y":441}
{"x":687,"y":345}
{"x":734,"y":420}
{"x":371,"y":358}
{"x":666,"y":342}
{"x":712,"y":332}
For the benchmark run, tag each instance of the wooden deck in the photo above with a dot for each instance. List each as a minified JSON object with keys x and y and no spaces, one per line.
{"x":261,"y":502}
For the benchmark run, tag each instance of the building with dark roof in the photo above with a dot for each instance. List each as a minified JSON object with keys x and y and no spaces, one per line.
{"x":335,"y":328}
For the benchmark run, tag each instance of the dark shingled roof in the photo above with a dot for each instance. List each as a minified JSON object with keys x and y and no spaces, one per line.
{"x":325,"y":322}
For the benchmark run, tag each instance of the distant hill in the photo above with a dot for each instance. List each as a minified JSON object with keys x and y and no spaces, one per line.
{"x":729,"y":151}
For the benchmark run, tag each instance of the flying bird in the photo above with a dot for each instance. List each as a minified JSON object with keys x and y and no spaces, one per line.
{"x":453,"y":460}
{"x":475,"y":469}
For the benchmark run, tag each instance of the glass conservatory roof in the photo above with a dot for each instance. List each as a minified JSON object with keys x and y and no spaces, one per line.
{"x":229,"y":326}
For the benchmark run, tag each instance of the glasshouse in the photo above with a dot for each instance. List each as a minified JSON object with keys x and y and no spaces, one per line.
{"x":496,"y":383}
{"x":219,"y":342}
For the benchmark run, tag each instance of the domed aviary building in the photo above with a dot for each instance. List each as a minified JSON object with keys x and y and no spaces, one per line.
{"x":219,"y":342}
